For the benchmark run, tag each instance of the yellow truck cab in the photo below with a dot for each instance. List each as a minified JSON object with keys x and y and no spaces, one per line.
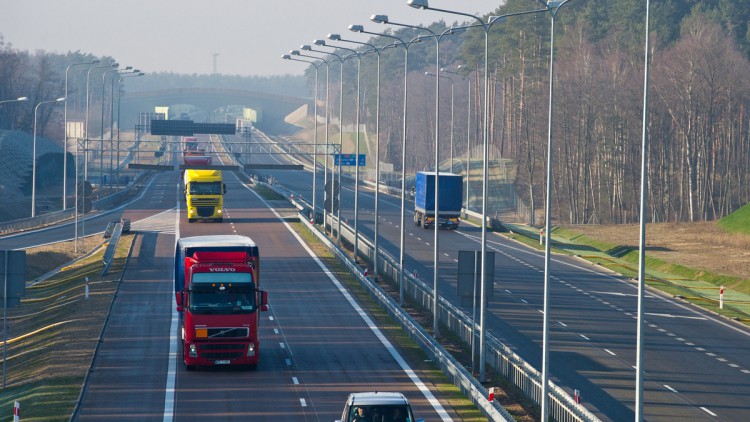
{"x":204,"y":195}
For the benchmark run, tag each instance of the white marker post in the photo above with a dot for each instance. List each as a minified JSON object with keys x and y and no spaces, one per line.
{"x":721,"y":297}
{"x":16,"y":411}
{"x":577,"y":396}
{"x":86,"y":288}
{"x":491,"y":396}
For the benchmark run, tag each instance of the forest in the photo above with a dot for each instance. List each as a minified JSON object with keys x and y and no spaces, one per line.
{"x":698,"y":143}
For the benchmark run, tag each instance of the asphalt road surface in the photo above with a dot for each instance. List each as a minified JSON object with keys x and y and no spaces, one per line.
{"x":697,"y":365}
{"x":316,"y":347}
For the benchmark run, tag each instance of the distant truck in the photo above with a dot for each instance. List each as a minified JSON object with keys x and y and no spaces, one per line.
{"x":204,"y":194}
{"x":451,"y":188}
{"x":194,"y":152}
{"x":217,"y":293}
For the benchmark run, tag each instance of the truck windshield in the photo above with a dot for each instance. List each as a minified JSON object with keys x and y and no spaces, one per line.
{"x":213,"y":300}
{"x":205,"y":188}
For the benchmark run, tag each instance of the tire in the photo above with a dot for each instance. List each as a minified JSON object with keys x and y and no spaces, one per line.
{"x":189,"y":368}
{"x":191,"y":220}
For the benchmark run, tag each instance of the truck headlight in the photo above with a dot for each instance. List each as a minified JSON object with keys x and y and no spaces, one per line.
{"x":251,"y":350}
{"x":193,"y":351}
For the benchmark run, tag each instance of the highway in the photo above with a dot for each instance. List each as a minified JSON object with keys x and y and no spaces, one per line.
{"x":317,"y":345}
{"x":314,"y":351}
{"x":697,"y":365}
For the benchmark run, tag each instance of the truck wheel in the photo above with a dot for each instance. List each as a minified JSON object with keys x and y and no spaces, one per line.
{"x":189,"y":368}
{"x":252,"y":367}
{"x":219,"y":220}
{"x":191,"y":220}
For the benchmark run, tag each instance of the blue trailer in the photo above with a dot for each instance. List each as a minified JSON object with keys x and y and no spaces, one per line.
{"x":450,"y":197}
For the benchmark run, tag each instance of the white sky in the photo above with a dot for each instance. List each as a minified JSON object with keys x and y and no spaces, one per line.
{"x":182,"y":36}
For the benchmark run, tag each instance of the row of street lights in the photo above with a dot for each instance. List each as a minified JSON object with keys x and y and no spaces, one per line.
{"x":127,"y":72}
{"x":552,"y":7}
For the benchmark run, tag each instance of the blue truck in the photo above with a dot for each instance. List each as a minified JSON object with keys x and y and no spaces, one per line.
{"x":450,"y":197}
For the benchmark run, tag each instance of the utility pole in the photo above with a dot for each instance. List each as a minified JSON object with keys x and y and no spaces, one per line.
{"x":215,"y":55}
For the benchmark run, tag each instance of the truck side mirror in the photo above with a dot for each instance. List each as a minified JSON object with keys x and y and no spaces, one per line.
{"x":179,"y":308}
{"x":178,"y":301}
{"x":263,"y":301}
{"x":224,"y":185}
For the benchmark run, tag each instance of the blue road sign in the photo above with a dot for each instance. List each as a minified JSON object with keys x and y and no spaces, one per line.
{"x":349,"y":160}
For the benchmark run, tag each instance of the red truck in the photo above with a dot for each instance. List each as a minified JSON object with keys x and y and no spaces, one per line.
{"x":194,"y":152}
{"x":218,"y":296}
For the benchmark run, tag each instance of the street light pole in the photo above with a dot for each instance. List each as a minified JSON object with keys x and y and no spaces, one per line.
{"x":378,"y":51}
{"x":468,"y":131}
{"x":65,"y":143}
{"x":451,"y":81}
{"x":306,"y":47}
{"x":406,"y":45}
{"x":86,"y":124}
{"x":642,"y":243}
{"x":119,"y":81}
{"x":322,"y":43}
{"x":101,"y":134}
{"x":486,"y":25}
{"x":436,"y":257}
{"x":112,"y":118}
{"x":325,"y":159}
{"x":33,"y":157}
{"x":316,"y":65}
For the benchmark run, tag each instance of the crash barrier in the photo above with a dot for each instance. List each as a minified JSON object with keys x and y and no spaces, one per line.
{"x":562,"y":407}
{"x":458,"y":375}
{"x":109,"y":253}
{"x":57,"y":216}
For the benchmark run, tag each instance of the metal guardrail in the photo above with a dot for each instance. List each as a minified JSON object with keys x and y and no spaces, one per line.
{"x":515,"y":369}
{"x":58,"y":216}
{"x":449,"y":365}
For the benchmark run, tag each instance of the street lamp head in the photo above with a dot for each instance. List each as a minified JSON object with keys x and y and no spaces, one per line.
{"x":418,"y":4}
{"x":140,"y":74}
{"x":321,"y":43}
{"x":115,"y":64}
{"x":95,"y":61}
{"x":286,"y":57}
{"x":379,"y":18}
{"x":61,"y":99}
{"x":456,"y":31}
{"x":22,"y":99}
{"x":356,"y":28}
{"x":128,"y":67}
{"x":429,"y":74}
{"x":305,"y":47}
{"x":294,"y":52}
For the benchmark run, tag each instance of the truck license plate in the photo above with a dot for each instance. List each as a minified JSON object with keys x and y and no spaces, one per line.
{"x":221,"y":362}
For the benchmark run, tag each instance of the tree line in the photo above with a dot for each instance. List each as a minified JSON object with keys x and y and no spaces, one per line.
{"x":699,"y":140}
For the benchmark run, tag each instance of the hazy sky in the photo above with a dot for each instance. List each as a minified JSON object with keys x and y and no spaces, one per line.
{"x":182,"y":36}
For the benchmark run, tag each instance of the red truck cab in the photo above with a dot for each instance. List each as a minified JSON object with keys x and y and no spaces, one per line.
{"x":217,"y":293}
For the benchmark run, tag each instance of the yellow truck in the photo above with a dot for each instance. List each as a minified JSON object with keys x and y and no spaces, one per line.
{"x":204,"y":195}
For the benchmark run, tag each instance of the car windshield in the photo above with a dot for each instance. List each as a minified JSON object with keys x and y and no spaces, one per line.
{"x":384,"y":413}
{"x":205,"y":188}
{"x":221,"y":302}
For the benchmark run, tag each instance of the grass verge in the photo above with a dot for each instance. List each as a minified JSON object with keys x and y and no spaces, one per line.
{"x":53,"y":334}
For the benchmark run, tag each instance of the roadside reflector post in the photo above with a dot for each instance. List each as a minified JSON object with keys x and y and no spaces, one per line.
{"x":721,"y":297}
{"x":577,"y":396}
{"x":86,"y":288}
{"x":16,"y":411}
{"x":491,"y":396}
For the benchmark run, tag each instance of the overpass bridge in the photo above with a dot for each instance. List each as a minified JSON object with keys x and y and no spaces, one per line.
{"x":273,"y":108}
